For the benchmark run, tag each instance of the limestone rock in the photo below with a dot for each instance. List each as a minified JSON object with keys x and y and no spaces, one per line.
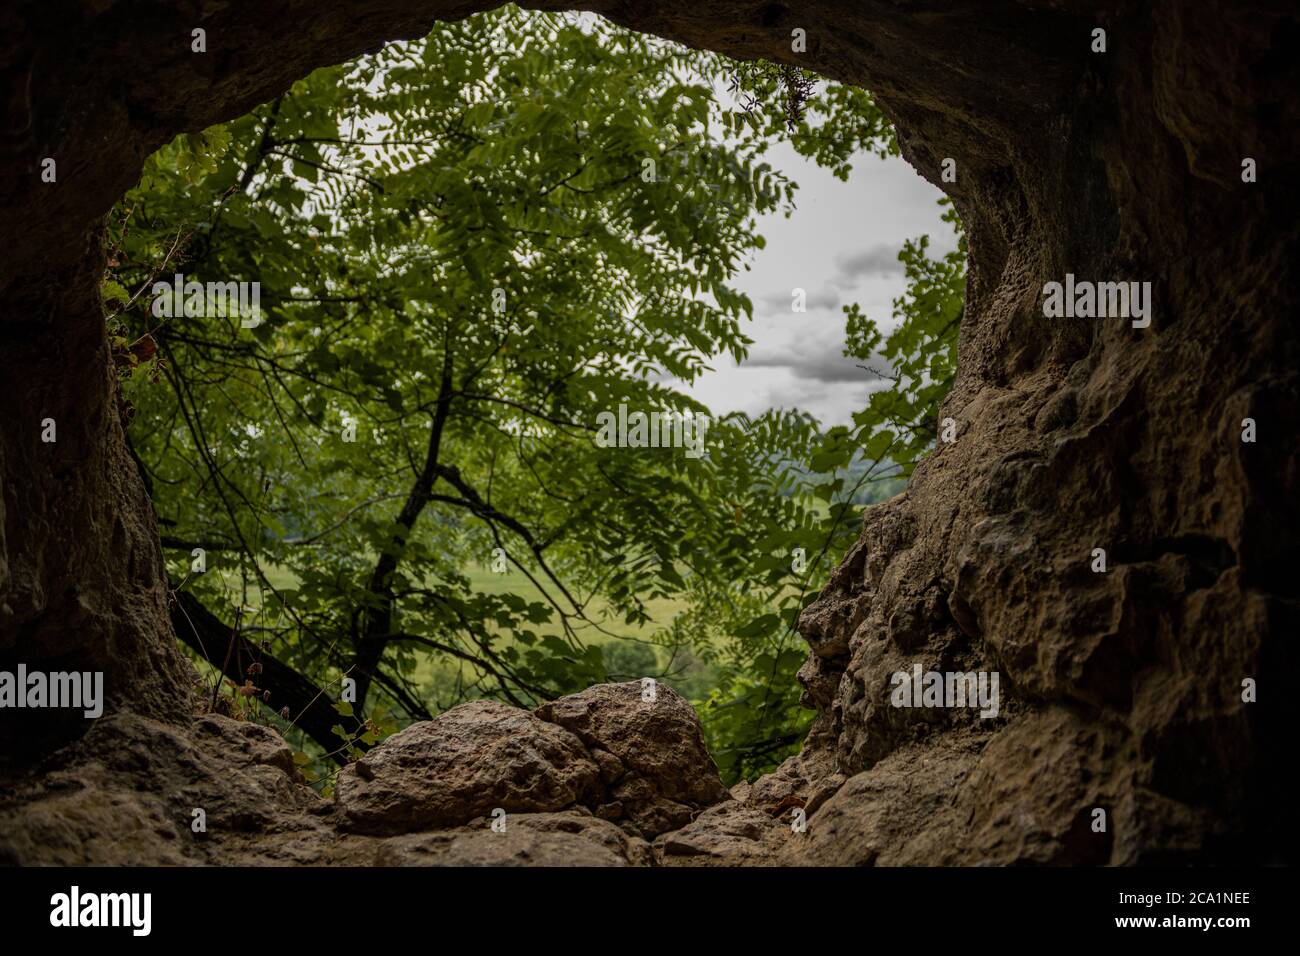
{"x":463,"y":764}
{"x":729,"y":833}
{"x":125,"y":794}
{"x":667,"y":773}
{"x":569,"y":838}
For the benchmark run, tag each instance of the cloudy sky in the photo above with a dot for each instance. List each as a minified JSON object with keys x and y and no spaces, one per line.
{"x":840,"y":246}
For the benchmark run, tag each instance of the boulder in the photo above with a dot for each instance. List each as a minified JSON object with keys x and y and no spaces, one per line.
{"x":464,"y":764}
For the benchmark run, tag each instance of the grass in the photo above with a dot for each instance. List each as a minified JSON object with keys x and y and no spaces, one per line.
{"x":627,"y":647}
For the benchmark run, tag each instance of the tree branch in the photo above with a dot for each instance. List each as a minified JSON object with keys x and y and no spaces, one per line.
{"x":311,"y":708}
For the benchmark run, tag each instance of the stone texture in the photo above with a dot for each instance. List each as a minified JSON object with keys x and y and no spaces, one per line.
{"x":125,"y":793}
{"x":898,"y":813}
{"x":656,"y":764}
{"x":641,"y":764}
{"x":569,"y":838}
{"x":463,"y":764}
{"x":728,"y":834}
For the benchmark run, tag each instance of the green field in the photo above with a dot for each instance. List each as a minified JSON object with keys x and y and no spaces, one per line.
{"x":626,"y":647}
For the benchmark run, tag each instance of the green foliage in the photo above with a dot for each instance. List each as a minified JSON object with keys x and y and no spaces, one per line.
{"x":463,"y":259}
{"x":919,"y":355}
{"x":828,"y":126}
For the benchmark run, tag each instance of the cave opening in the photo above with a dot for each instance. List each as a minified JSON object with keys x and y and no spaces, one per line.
{"x":1068,"y":437}
{"x":385,"y":342}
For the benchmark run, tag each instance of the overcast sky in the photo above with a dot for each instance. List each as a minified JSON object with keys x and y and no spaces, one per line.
{"x":840,"y":246}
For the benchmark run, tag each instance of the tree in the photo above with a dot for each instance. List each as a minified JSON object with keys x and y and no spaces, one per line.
{"x":460,"y":271}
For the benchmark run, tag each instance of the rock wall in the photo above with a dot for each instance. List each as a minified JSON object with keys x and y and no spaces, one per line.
{"x":1121,"y":690}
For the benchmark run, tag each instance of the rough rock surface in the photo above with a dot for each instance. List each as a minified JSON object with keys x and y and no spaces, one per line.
{"x":606,"y":749}
{"x":572,"y":838}
{"x":1121,"y":690}
{"x":465,"y":763}
{"x":126,"y":792}
{"x":728,"y":834}
{"x":651,"y":753}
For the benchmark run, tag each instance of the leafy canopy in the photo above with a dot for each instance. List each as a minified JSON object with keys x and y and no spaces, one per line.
{"x":468,"y":247}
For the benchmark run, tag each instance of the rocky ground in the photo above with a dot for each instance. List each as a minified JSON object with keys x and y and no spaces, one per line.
{"x":600,"y":778}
